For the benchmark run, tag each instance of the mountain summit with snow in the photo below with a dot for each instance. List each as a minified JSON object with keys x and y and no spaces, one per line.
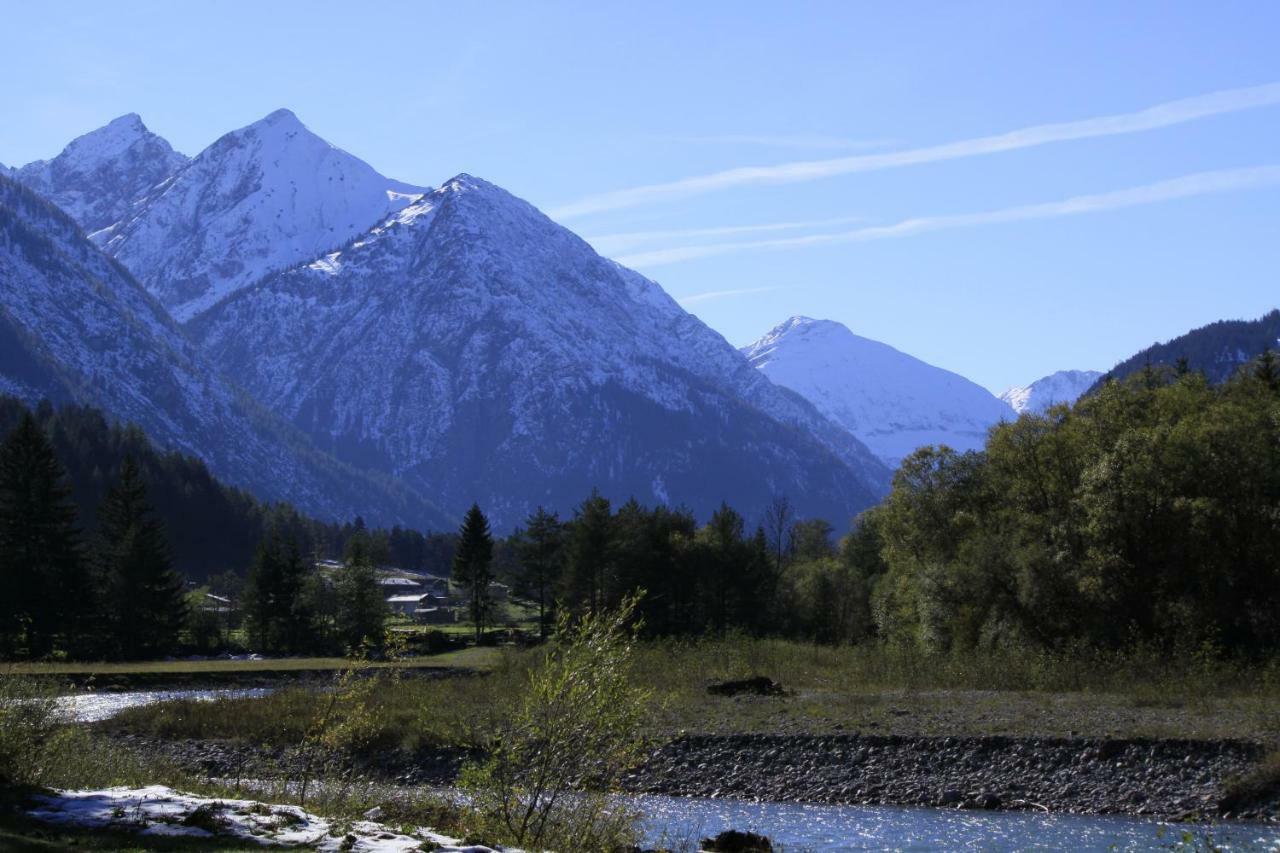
{"x":75,"y":327}
{"x":1065,"y":386}
{"x":104,"y":176}
{"x":256,"y":201}
{"x":893,"y":402}
{"x":474,"y":349}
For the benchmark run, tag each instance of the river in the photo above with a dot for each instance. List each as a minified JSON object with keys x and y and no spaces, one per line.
{"x":838,"y":829}
{"x":835,"y":829}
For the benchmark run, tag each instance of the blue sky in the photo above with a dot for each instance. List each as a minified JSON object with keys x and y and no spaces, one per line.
{"x":956,"y":226}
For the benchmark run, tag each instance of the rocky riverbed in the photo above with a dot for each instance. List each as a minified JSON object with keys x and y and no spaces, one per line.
{"x":1167,"y":778}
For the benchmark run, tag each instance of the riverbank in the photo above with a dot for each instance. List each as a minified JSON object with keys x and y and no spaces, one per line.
{"x":1171,"y":779}
{"x":1177,"y":779}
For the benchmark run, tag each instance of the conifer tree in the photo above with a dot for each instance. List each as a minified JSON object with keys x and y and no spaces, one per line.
{"x":144,"y":600}
{"x":541,"y":554}
{"x":590,"y":544}
{"x":362,"y":612}
{"x":43,"y":588}
{"x":1267,"y":370}
{"x":278,"y":615}
{"x":472,"y":565}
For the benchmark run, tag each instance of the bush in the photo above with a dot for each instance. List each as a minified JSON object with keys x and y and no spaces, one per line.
{"x":28,"y":718}
{"x":552,"y":768}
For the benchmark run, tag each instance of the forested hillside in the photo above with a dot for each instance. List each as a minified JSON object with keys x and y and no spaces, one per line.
{"x":210,"y":527}
{"x":1216,"y":350}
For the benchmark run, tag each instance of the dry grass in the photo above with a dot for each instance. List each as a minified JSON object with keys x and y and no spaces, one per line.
{"x":471,"y":658}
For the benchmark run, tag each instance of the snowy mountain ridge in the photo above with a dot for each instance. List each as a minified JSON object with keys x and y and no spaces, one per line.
{"x":76,"y":327}
{"x":101,"y":177}
{"x":470,"y":343}
{"x":1064,"y":386}
{"x":892,"y":401}
{"x":259,"y":199}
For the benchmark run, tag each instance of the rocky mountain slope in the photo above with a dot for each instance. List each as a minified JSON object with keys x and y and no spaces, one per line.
{"x":1064,"y":386}
{"x":471,"y":346}
{"x":892,"y":401}
{"x":257,"y":200}
{"x":75,"y":326}
{"x":106,"y":175}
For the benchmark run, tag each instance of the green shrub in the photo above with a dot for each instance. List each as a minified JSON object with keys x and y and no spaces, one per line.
{"x":552,"y":767}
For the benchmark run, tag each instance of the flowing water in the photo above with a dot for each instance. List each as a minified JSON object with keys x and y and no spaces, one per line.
{"x":794,"y":827}
{"x":92,"y":707}
{"x":798,"y":827}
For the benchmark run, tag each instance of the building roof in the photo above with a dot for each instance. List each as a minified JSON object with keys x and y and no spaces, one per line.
{"x":406,"y":599}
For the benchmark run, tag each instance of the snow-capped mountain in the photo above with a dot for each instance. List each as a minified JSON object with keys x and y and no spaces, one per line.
{"x":892,"y":401}
{"x":76,"y":327}
{"x":259,"y":199}
{"x":1065,"y":386}
{"x":102,"y":177}
{"x":471,"y":346}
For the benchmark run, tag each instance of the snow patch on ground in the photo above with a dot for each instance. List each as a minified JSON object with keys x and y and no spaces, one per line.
{"x":157,"y":810}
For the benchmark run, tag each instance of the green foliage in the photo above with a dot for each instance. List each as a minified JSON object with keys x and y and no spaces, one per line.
{"x":278,"y":613}
{"x":553,"y":766}
{"x":143,"y":599}
{"x":361,"y":611}
{"x":473,"y":566}
{"x":540,"y":546}
{"x":28,"y":718}
{"x":1148,"y":511}
{"x":44,"y":589}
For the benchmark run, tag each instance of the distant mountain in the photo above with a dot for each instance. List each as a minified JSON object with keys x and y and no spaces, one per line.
{"x":257,"y":200}
{"x":471,"y":347}
{"x":1218,"y":349}
{"x":102,"y":177}
{"x":1065,"y":386}
{"x":893,"y":402}
{"x":76,"y":327}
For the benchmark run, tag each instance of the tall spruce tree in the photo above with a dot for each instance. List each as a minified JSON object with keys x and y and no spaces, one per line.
{"x":590,"y":550}
{"x":473,"y":566}
{"x":541,"y":559}
{"x":44,"y":591}
{"x":278,"y":615}
{"x":362,"y":612}
{"x":145,"y":605}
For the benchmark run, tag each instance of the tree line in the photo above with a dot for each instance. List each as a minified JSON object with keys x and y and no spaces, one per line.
{"x":212,"y":528}
{"x":100,"y":532}
{"x":1148,"y":512}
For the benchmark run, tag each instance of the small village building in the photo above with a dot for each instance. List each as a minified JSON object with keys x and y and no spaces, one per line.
{"x":405,"y":605}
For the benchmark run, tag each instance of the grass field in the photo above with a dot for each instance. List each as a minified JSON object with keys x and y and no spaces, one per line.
{"x":829,"y":690}
{"x":471,"y":658}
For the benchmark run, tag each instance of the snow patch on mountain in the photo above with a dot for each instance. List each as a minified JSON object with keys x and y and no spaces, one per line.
{"x":892,"y":401}
{"x":104,"y":175}
{"x":1065,"y":386}
{"x":76,"y":327}
{"x":258,"y":200}
{"x":469,"y":344}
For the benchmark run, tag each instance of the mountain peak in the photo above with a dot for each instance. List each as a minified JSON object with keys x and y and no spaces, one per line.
{"x":1065,"y":386}
{"x":280,"y":117}
{"x":892,"y":401}
{"x":101,"y":175}
{"x":110,"y":140}
{"x":261,"y":198}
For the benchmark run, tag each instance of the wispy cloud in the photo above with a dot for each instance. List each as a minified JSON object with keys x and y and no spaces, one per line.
{"x":1200,"y":183}
{"x":695,"y":298}
{"x":1152,"y":118}
{"x":608,"y":243}
{"x":800,"y":140}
